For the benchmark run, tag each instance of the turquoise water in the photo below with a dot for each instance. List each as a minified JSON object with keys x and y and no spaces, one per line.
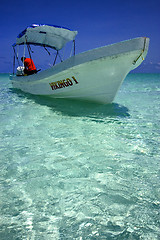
{"x":75,"y":170}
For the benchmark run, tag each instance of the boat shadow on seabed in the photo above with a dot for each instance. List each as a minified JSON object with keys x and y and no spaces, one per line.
{"x":77,"y":108}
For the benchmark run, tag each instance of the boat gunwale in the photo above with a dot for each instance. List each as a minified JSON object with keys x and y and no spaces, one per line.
{"x":111,"y":50}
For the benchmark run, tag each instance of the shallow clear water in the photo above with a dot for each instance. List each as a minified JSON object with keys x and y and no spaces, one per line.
{"x":75,"y":170}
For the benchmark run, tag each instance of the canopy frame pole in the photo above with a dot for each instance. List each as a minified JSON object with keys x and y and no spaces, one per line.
{"x":57,"y":54}
{"x":47,"y":50}
{"x":24,"y":49}
{"x":63,"y":56}
{"x":73,"y":49}
{"x":74,"y":42}
{"x":16,"y":55}
{"x":28,"y":47}
{"x":60,"y":57}
{"x":17,"y":51}
{"x":23,"y":54}
{"x":29,"y":51}
{"x":55,"y":58}
{"x":13,"y":63}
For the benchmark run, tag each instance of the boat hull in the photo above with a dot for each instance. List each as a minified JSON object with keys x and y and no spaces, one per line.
{"x":95,"y":75}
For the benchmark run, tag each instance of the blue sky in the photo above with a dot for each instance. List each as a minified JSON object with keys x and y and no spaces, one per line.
{"x":98,"y":23}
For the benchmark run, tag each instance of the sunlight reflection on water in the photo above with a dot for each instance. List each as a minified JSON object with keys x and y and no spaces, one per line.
{"x":75,"y":170}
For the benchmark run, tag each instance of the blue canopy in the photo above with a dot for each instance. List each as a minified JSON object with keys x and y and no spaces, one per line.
{"x":46,"y":35}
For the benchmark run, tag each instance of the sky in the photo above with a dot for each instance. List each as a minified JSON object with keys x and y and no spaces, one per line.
{"x":98,"y":22}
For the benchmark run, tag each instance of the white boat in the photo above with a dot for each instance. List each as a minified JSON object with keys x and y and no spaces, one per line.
{"x":94,"y":75}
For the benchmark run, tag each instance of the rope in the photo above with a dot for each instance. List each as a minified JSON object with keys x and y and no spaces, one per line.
{"x":141,"y":52}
